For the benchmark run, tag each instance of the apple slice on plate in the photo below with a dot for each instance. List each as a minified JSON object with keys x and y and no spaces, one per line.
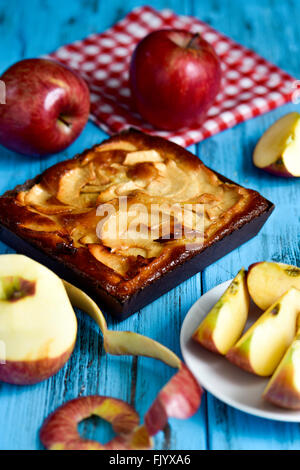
{"x":224,"y":380}
{"x":283,"y":388}
{"x":267,"y":281}
{"x":278,"y":150}
{"x":261,"y":348}
{"x":224,"y":324}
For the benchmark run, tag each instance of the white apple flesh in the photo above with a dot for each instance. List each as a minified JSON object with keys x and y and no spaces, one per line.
{"x":224,"y":324}
{"x":261,"y":348}
{"x":38,"y":325}
{"x":267,"y":281}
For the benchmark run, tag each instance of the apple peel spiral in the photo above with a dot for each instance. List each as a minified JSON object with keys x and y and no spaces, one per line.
{"x":179,"y":398}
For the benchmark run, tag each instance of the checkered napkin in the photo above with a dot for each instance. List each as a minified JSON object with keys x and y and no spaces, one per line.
{"x":250,"y":85}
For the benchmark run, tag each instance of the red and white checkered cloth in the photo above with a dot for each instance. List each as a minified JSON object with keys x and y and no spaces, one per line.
{"x":250,"y":86}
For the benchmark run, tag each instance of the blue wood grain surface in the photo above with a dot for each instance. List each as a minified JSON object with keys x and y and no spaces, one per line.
{"x":30,"y":28}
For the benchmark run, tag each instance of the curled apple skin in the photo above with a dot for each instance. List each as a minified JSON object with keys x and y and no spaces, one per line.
{"x":59,"y":431}
{"x":180,"y":397}
{"x":283,"y":388}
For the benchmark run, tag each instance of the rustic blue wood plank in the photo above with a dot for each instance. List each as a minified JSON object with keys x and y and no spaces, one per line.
{"x":254,"y":24}
{"x":39,"y":26}
{"x":88,"y":371}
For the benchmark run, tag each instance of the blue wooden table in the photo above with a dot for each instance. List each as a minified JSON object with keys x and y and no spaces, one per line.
{"x":30,"y":28}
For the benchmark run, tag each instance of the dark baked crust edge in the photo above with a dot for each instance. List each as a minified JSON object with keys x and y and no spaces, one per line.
{"x":257,"y":207}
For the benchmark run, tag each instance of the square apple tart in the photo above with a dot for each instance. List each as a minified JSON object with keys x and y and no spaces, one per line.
{"x":129,"y":219}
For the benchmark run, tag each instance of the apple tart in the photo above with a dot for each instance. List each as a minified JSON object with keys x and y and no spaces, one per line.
{"x":130,"y":218}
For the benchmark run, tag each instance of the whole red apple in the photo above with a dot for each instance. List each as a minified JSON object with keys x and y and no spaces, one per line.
{"x":47,"y":106}
{"x":174,"y":77}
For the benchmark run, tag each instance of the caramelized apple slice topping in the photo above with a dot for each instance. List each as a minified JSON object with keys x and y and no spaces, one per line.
{"x":117,"y":263}
{"x":70,"y":185}
{"x":121,"y":145}
{"x":174,"y":183}
{"x":39,"y":198}
{"x":142,"y":156}
{"x":39,"y":223}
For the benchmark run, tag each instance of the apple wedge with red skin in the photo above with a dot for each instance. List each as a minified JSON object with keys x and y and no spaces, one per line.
{"x":174,"y":78}
{"x":278,"y":150}
{"x":267,"y":280}
{"x":47,"y":106}
{"x":224,"y":323}
{"x":283,"y":388}
{"x":179,"y":398}
{"x":263,"y":345}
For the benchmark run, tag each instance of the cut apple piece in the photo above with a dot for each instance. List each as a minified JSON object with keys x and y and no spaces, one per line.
{"x":113,"y":261}
{"x":41,"y":199}
{"x":283,"y":388}
{"x":120,"y":145}
{"x":224,"y":324}
{"x":40,"y":223}
{"x":262,"y":346}
{"x":142,"y":156}
{"x":278,"y":150}
{"x":267,"y":281}
{"x":70,"y":184}
{"x":37,"y":323}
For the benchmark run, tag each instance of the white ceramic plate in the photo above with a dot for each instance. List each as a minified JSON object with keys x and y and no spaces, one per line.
{"x":218,"y":376}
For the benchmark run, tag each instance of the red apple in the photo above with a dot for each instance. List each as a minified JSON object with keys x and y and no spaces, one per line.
{"x":174,"y":77}
{"x":47,"y":106}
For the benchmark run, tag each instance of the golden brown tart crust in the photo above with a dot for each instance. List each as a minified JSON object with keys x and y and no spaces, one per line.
{"x":56,"y":211}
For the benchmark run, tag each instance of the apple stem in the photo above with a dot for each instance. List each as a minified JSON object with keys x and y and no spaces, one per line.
{"x":64,"y":121}
{"x":190,"y":44}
